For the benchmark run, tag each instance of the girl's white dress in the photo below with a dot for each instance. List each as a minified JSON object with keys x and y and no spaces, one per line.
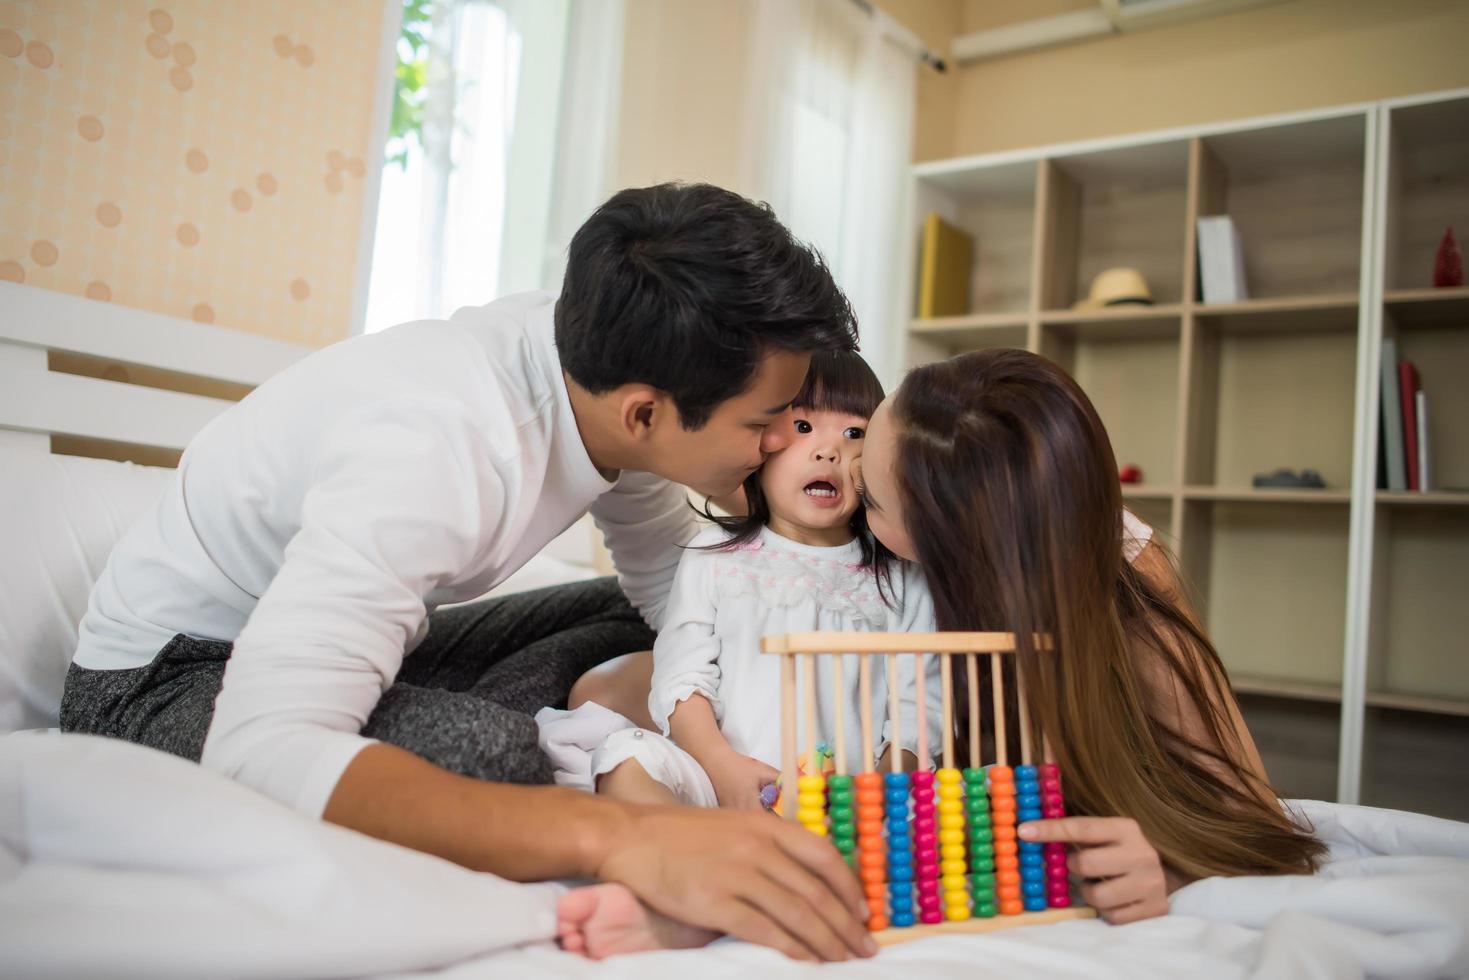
{"x":722,"y":603}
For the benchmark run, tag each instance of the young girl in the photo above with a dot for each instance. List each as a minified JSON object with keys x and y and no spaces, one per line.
{"x":995,"y":468}
{"x":801,"y":560}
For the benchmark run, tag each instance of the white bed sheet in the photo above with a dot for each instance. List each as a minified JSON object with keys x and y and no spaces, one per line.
{"x":119,"y":861}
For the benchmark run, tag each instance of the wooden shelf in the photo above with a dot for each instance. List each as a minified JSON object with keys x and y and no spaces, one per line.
{"x":1430,"y":498}
{"x":1114,"y":314}
{"x":966,"y":324}
{"x":1415,"y":702}
{"x":1336,"y":312}
{"x":1283,"y":495}
{"x":1143,"y":491}
{"x":948,"y":334}
{"x":1116,"y":322}
{"x":1331,"y":694}
{"x":1295,"y":690}
{"x":1417,"y":308}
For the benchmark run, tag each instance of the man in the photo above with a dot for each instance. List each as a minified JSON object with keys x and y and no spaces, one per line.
{"x":274,"y":616}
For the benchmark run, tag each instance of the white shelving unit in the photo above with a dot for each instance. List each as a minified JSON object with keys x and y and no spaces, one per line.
{"x":1346,"y":598}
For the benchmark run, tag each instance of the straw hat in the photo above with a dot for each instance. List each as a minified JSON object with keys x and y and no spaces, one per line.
{"x":1116,"y":287}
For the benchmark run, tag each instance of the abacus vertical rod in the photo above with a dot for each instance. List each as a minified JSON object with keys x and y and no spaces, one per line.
{"x":1025,"y":758}
{"x":895,"y":752}
{"x":971,"y":663}
{"x":997,"y":686}
{"x":920,"y":687}
{"x":864,"y":698}
{"x":808,"y":706}
{"x":946,"y":677}
{"x":788,"y":733}
{"x":838,"y":719}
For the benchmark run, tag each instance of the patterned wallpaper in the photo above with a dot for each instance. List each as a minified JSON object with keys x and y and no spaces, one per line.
{"x":200,"y":158}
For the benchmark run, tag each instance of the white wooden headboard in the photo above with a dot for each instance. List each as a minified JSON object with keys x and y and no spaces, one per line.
{"x":81,"y":373}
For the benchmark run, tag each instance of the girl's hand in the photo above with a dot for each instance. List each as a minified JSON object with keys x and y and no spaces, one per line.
{"x":738,"y":780}
{"x":1122,"y":875}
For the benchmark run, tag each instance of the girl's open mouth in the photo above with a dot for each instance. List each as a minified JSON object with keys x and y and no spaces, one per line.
{"x":823,"y":493}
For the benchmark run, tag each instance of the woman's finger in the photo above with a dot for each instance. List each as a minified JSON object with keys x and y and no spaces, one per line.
{"x":1078,"y":830}
{"x":1136,"y":912}
{"x":1104,"y":861}
{"x":1112,"y":893}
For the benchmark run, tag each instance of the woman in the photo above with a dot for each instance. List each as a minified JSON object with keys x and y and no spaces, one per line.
{"x":992,"y":471}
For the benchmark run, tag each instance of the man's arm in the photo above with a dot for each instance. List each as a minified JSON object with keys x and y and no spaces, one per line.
{"x":645,"y":521}
{"x":764,"y":880}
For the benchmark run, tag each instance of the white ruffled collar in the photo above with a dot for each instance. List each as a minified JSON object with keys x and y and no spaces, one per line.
{"x":779,"y":572}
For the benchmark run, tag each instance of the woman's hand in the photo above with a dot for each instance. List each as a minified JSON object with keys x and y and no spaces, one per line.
{"x":1122,"y":875}
{"x":738,"y":779}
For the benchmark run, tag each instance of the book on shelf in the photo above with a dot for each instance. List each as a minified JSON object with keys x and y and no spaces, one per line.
{"x":1392,"y":417}
{"x":1408,"y":386}
{"x":1425,"y":483}
{"x":944,"y":266}
{"x":1221,"y":261}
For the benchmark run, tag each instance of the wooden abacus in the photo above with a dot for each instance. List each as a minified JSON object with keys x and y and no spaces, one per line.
{"x":944,"y":865}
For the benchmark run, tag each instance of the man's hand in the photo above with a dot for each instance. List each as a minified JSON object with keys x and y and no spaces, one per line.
{"x":763,"y":880}
{"x":1122,"y":874}
{"x":738,"y":779}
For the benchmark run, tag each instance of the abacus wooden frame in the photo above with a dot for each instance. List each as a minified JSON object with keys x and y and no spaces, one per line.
{"x":791,"y":646}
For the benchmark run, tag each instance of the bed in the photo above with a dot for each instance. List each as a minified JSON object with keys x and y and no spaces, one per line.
{"x":119,"y":861}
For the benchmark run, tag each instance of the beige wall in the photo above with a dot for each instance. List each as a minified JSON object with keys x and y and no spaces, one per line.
{"x":935,"y":22}
{"x":1301,"y":54}
{"x":683,"y":90}
{"x":685,"y":65}
{"x":196,"y":158}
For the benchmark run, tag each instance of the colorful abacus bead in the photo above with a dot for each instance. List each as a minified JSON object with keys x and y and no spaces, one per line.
{"x":981,"y":843}
{"x":925,"y":849}
{"x":811,"y":803}
{"x":843,"y":824}
{"x":871,"y":851}
{"x":900,"y":849}
{"x":951,"y":845}
{"x":1007,"y":862}
{"x":1053,"y":807}
{"x":1032,"y":861}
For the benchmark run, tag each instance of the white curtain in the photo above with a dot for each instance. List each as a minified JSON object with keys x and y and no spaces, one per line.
{"x":586,"y":145}
{"x":516,"y":95}
{"x":829,"y":138}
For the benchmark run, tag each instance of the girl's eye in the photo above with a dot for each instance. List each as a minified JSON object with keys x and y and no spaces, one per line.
{"x":802,"y":426}
{"x":854,"y":432}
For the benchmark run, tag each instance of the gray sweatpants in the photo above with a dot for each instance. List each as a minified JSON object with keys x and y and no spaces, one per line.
{"x":463,"y":700}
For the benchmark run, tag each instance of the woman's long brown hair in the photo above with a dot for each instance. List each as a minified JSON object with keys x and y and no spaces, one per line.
{"x":1009,"y":485}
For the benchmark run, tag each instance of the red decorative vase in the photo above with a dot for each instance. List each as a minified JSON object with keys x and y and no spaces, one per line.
{"x":1448,"y":264}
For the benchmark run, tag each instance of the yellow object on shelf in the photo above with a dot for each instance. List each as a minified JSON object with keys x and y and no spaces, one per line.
{"x":947,"y":258}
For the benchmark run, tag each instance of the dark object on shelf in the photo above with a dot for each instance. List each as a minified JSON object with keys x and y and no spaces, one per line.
{"x":1304,"y":480}
{"x":1448,"y":264}
{"x":1130,"y":474}
{"x":1116,"y":287}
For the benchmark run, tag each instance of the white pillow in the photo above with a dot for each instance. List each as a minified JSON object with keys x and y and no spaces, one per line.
{"x":59,"y":518}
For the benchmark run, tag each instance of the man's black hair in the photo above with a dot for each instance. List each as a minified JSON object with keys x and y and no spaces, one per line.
{"x":686,"y":287}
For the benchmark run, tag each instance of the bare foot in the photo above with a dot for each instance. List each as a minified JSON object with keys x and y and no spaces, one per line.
{"x":606,"y":920}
